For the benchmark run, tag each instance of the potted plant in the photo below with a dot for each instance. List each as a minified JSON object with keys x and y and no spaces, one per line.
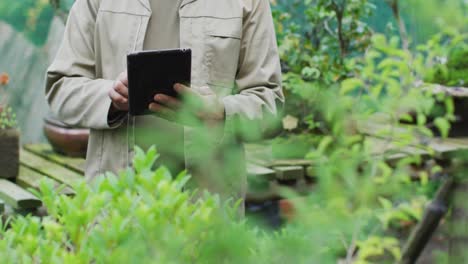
{"x":9,"y":135}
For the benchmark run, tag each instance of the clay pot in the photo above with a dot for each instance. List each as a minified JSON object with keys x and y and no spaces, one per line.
{"x":9,"y":153}
{"x":66,"y":140}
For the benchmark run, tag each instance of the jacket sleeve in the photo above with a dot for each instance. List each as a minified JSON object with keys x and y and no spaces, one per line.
{"x":75,"y":95}
{"x":254,"y":111}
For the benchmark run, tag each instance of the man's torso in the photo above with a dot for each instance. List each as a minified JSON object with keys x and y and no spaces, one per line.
{"x":162,"y":33}
{"x":211,"y":28}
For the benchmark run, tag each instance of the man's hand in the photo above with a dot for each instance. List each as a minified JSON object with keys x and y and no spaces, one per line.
{"x":119,"y":94}
{"x":196,"y":107}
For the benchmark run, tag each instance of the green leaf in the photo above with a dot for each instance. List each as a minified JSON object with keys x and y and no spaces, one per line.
{"x":386,"y":204}
{"x":443,"y":125}
{"x":350,"y":85}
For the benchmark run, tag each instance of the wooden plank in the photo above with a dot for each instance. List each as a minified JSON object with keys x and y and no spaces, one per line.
{"x":449,"y":145}
{"x":460,"y":142}
{"x":45,"y":151}
{"x":16,"y":196}
{"x":28,"y":178}
{"x":289,"y":172}
{"x":452,"y":91}
{"x":259,"y":171}
{"x":46,"y":167}
{"x":440,"y":146}
{"x":290,"y":162}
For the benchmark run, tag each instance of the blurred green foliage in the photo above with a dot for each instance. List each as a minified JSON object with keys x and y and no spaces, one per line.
{"x":143,"y":216}
{"x":319,"y":52}
{"x":338,"y":75}
{"x":450,"y":60}
{"x":32,"y":17}
{"x":358,"y":211}
{"x":423,"y":18}
{"x":313,"y":58}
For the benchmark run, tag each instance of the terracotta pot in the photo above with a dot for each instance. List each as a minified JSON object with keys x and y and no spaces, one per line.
{"x":9,"y":153}
{"x":66,"y":140}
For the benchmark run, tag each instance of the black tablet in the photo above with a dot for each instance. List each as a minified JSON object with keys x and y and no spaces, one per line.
{"x":155,"y":72}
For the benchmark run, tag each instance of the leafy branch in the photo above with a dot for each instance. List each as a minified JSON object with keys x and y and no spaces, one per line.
{"x":340,"y":13}
{"x":394,"y":5}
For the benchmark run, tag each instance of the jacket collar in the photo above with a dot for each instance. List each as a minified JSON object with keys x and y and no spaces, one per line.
{"x":147,"y":5}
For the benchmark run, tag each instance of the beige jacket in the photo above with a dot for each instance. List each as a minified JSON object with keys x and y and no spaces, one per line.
{"x":234,"y":53}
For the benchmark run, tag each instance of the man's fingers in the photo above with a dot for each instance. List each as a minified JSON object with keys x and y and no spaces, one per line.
{"x":121,"y":88}
{"x":168,"y":101}
{"x":162,"y":111}
{"x":184,"y":90}
{"x":120,"y":102}
{"x":117,"y":98}
{"x":191,"y":97}
{"x":123,"y":78}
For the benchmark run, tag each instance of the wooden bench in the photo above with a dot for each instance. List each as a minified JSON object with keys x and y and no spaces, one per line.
{"x":38,"y":162}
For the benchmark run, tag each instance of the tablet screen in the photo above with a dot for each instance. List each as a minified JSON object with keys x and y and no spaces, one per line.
{"x":155,"y":72}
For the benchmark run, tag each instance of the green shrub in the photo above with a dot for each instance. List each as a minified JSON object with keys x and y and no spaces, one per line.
{"x":448,"y":58}
{"x":142,"y":216}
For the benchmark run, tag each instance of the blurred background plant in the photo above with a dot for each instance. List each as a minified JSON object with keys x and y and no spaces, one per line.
{"x":449,"y":58}
{"x":32,"y":17}
{"x":323,"y":43}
